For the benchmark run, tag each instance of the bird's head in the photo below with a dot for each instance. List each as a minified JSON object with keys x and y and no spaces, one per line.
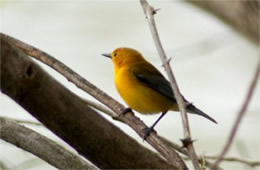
{"x":124,"y":56}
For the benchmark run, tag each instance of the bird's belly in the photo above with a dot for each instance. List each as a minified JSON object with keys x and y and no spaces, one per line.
{"x":140,"y":97}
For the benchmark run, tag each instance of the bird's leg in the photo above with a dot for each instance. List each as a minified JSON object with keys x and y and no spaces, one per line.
{"x":125,"y":111}
{"x":150,"y":129}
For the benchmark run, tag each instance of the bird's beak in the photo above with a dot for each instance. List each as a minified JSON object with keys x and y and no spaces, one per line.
{"x":107,"y":55}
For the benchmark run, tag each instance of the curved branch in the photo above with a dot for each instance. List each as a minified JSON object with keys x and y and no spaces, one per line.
{"x":100,"y":107}
{"x":40,"y":146}
{"x":130,"y":119}
{"x":240,"y":115}
{"x":23,"y":121}
{"x":69,"y":117}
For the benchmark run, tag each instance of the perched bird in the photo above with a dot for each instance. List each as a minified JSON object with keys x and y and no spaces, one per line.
{"x":143,"y":87}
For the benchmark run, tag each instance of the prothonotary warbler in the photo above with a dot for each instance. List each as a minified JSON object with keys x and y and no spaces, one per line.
{"x":143,"y":87}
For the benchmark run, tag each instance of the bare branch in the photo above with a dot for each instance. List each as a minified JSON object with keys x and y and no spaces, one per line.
{"x":240,"y":115}
{"x":247,"y":162}
{"x":23,"y":121}
{"x":185,"y":152}
{"x":40,"y":146}
{"x":234,"y":159}
{"x":103,"y":109}
{"x":171,"y":144}
{"x":149,"y":12}
{"x":100,"y":107}
{"x":171,"y":156}
{"x":91,"y":103}
{"x":242,"y":16}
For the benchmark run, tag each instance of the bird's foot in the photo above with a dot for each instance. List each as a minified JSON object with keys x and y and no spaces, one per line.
{"x":147,"y":132}
{"x":126,"y":110}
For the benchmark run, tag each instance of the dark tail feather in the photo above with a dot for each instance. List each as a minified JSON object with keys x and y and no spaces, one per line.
{"x":194,"y":110}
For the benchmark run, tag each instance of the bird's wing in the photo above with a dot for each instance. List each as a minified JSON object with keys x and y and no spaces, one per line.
{"x":149,"y":76}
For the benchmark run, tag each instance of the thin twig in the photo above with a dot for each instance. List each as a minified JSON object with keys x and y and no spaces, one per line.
{"x":171,"y":144}
{"x":130,"y":119}
{"x":178,"y":147}
{"x":247,"y":162}
{"x":99,"y":107}
{"x":102,"y":108}
{"x":250,"y":163}
{"x":234,"y":159}
{"x":185,"y":152}
{"x":23,"y":121}
{"x":149,"y":12}
{"x":240,"y":115}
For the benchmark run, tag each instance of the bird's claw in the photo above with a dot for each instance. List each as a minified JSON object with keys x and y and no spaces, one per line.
{"x":147,"y":132}
{"x":126,"y":110}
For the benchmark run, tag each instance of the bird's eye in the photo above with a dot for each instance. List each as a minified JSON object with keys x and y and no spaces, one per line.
{"x":115,"y":54}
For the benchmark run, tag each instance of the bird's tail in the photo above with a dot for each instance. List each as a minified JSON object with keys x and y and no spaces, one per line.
{"x":194,"y":110}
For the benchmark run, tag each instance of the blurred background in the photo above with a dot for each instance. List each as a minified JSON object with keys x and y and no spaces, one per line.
{"x":213,"y":66}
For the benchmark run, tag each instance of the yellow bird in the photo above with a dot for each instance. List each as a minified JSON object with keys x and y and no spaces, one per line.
{"x":143,"y":87}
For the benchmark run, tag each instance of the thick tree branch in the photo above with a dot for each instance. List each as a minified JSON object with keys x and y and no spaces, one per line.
{"x":69,"y":117}
{"x":177,"y":147}
{"x":130,"y":119}
{"x":243,"y":16}
{"x":240,"y":115}
{"x":149,"y":12}
{"x":40,"y":146}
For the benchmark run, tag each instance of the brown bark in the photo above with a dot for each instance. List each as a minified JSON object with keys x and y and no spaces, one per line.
{"x":130,"y":119}
{"x":242,"y":16}
{"x":41,"y":146}
{"x":69,"y":117}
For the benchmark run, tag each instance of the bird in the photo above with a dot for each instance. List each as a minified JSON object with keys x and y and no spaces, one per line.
{"x":143,"y":88}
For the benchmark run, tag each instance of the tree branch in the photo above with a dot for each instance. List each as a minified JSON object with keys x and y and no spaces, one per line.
{"x":40,"y":146}
{"x":69,"y":117}
{"x":234,"y":159}
{"x":101,"y":108}
{"x":240,"y":115}
{"x":23,"y":121}
{"x":169,"y":143}
{"x":185,"y":152}
{"x":243,"y":16}
{"x":149,"y":12}
{"x":130,"y":119}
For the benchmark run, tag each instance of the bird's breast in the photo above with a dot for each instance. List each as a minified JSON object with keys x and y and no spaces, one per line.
{"x":139,"y":96}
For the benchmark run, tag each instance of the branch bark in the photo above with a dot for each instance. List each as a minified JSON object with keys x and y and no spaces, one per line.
{"x":149,"y":12}
{"x":23,"y":121}
{"x":69,"y":117}
{"x":130,"y":119}
{"x":242,"y":16}
{"x":40,"y":146}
